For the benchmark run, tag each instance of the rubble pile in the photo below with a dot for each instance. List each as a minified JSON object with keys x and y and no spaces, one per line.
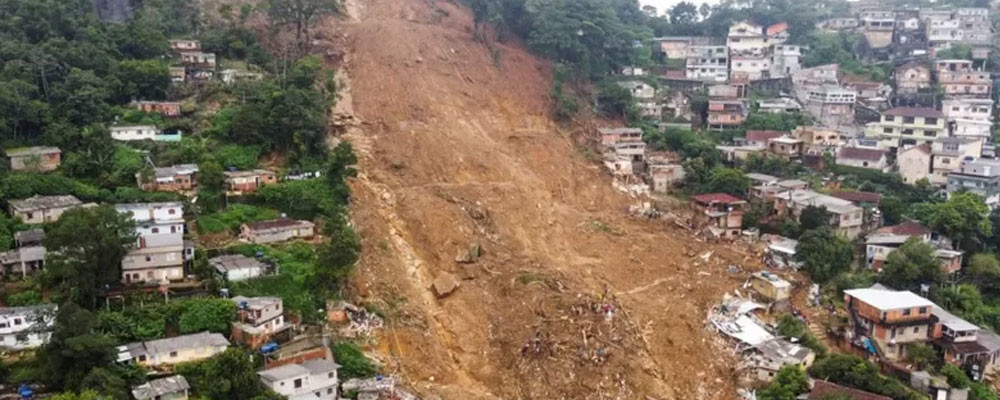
{"x":360,"y":322}
{"x":583,"y":337}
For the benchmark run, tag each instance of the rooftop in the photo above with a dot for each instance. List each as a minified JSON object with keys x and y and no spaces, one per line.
{"x":914,"y":112}
{"x":784,"y":352}
{"x":822,"y":389}
{"x":173,"y":170}
{"x":888,"y":299}
{"x":31,"y":151}
{"x":165,"y":346}
{"x":762,"y":177}
{"x":952,"y":321}
{"x":30,"y":236}
{"x":254,"y":303}
{"x":311,"y":367}
{"x":254,"y":172}
{"x":619,"y":131}
{"x":234,"y":262}
{"x":44,"y":202}
{"x":810,"y":198}
{"x":860,"y":153}
{"x":858,"y":197}
{"x":280,"y":223}
{"x":718,"y":198}
{"x":159,"y":387}
{"x":763,"y":136}
{"x":909,"y":228}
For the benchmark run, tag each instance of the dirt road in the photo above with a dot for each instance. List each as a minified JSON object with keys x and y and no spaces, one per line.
{"x":572,"y":297}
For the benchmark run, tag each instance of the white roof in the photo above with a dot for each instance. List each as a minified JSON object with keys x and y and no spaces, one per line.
{"x":952,"y":321}
{"x":889,"y":300}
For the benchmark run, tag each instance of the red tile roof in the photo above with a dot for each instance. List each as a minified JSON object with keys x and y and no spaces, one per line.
{"x":859,"y":197}
{"x":910,"y":228}
{"x":858,"y":153}
{"x":717,"y":198}
{"x":822,"y":388}
{"x":763,"y":136}
{"x":777,"y":28}
{"x":914,"y":112}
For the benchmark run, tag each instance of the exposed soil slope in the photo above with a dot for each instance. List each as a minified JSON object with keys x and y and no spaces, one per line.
{"x":572,"y":298}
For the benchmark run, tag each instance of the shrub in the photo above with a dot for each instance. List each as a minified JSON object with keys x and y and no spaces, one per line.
{"x":353,"y":362}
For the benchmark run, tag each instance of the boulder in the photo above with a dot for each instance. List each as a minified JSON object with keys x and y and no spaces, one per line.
{"x":445,"y":284}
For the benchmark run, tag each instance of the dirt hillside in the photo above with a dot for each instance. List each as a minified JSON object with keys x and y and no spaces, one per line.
{"x":572,"y":298}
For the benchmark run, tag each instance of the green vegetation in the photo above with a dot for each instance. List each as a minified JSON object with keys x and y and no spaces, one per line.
{"x":824,"y":253}
{"x":854,"y":372}
{"x":792,"y":327}
{"x":788,"y":384}
{"x":230,"y":375}
{"x":353,"y":362}
{"x":153,"y":320}
{"x":234,"y":216}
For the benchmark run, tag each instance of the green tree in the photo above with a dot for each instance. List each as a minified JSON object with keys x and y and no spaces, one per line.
{"x":788,"y":384}
{"x":984,"y":271}
{"x":824,"y":253}
{"x":74,"y":349}
{"x":921,"y":355}
{"x":964,"y":218}
{"x":142,"y":79}
{"x":214,"y":315}
{"x":851,"y":371}
{"x":353,"y":362}
{"x":727,"y":180}
{"x":301,"y":15}
{"x":336,"y":258}
{"x":614,"y":101}
{"x":683,"y":13}
{"x":106,"y":382}
{"x":230,"y":375}
{"x":211,"y":186}
{"x":79,"y":269}
{"x":814,"y":217}
{"x":913,"y":264}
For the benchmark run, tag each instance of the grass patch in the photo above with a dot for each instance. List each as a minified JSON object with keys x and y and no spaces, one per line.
{"x":297,"y":268}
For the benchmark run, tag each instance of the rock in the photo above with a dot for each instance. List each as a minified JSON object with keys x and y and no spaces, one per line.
{"x":469,"y":256}
{"x":445,"y":284}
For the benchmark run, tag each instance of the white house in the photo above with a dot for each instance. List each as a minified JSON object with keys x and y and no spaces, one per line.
{"x":173,"y":351}
{"x":26,"y":327}
{"x":169,"y":388}
{"x":259,"y":315}
{"x":134,"y":132}
{"x":157,"y":224}
{"x":311,"y":380}
{"x":969,"y":117}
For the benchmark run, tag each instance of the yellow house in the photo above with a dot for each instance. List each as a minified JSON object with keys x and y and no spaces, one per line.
{"x":770,"y":286}
{"x":172,"y":351}
{"x":903,"y":126}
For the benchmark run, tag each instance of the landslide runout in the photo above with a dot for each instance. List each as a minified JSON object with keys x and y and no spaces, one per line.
{"x":572,"y":297}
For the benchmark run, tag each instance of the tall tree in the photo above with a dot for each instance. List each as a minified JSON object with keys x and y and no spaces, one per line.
{"x":301,"y":15}
{"x":79,"y":269}
{"x":75,"y":349}
{"x":684,"y":13}
{"x":911,"y":265}
{"x":824,"y":253}
{"x":727,"y":180}
{"x":964,"y":218}
{"x":814,"y":217}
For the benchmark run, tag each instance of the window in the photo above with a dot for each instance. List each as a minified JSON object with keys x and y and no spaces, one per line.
{"x":17,"y":321}
{"x":886,"y":130}
{"x":155,"y":230}
{"x":330,"y":375}
{"x":923,"y":310}
{"x":30,"y":215}
{"x":930,"y":121}
{"x":906,"y":312}
{"x":172,"y":211}
{"x":916,"y":329}
{"x":142,"y":357}
{"x":297,"y":383}
{"x":908,"y":120}
{"x":173,"y":354}
{"x":889,"y":118}
{"x":148,"y":258}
